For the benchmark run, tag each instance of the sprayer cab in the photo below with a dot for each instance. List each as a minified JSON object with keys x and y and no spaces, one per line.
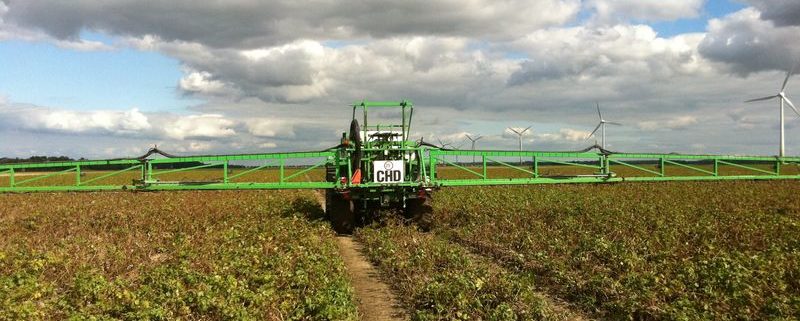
{"x":379,"y":147}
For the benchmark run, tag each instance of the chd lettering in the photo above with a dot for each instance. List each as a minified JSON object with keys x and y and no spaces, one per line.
{"x":388,"y":176}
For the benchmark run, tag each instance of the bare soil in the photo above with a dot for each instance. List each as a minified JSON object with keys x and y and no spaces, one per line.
{"x":375,"y":299}
{"x":376,"y":302}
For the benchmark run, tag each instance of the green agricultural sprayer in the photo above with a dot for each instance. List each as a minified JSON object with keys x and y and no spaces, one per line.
{"x":378,"y":165}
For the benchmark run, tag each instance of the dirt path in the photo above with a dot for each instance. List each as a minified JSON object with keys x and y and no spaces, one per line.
{"x":375,"y":299}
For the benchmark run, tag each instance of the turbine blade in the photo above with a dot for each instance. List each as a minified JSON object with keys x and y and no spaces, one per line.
{"x":786,"y":80}
{"x":613,"y":123}
{"x":786,"y":99}
{"x":594,"y":131}
{"x":477,"y":138}
{"x":598,"y":110}
{"x":526,"y":129}
{"x":788,"y":75}
{"x":760,"y":99}
{"x":468,"y":137}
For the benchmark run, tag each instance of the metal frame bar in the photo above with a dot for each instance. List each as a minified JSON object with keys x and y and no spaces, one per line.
{"x":266,"y":164}
{"x":747,"y":167}
{"x":599,"y":167}
{"x":45,"y":176}
{"x":108,"y":175}
{"x":283,"y":179}
{"x":661,"y":174}
{"x":690,"y":167}
{"x":462,"y":167}
{"x":156,"y":173}
{"x":70,"y":164}
{"x":534,"y":174}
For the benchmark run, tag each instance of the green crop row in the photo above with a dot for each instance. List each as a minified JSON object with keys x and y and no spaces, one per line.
{"x":167,"y":256}
{"x":683,"y":250}
{"x":439,"y":280}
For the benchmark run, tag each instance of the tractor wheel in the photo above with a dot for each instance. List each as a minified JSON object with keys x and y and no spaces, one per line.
{"x":419,"y":210}
{"x":329,"y":196}
{"x":341,"y":212}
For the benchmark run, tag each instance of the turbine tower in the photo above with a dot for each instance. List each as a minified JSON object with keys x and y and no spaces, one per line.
{"x":602,"y":127}
{"x":520,"y":133}
{"x":781,"y":100}
{"x":473,"y":140}
{"x":457,"y":147}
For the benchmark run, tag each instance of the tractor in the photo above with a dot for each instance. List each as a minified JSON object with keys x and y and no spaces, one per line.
{"x":377,"y":167}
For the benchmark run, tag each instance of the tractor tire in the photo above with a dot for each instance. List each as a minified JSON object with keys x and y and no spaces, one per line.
{"x":329,"y":197}
{"x":341,"y":212}
{"x":420,"y":211}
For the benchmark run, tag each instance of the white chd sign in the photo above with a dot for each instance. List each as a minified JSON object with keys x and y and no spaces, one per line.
{"x":388,"y":172}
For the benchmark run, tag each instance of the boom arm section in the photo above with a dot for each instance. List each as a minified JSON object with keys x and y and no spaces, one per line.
{"x":435,"y":167}
{"x":293,"y":170}
{"x":533,"y":167}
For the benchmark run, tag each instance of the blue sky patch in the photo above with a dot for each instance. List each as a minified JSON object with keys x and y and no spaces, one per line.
{"x":46,"y":75}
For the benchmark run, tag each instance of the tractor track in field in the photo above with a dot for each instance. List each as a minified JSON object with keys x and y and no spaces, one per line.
{"x":376,"y":301}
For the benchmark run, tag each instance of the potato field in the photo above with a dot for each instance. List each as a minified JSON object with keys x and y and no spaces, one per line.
{"x":168,"y":256}
{"x":626,"y":251}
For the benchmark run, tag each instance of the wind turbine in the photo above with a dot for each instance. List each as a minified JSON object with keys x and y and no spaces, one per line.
{"x":473,"y":140}
{"x":444,"y":146}
{"x":458,"y":147}
{"x":602,"y":127}
{"x":781,"y":99}
{"x":520,"y":133}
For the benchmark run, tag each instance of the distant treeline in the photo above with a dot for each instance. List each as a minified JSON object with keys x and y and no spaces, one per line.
{"x":36,"y":159}
{"x":53,"y":159}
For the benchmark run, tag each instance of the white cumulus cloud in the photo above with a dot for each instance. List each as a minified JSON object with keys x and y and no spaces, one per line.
{"x":749,"y":44}
{"x":605,"y":51}
{"x":267,"y":127}
{"x":679,"y":122}
{"x":201,"y":82}
{"x":564,"y":134}
{"x":248,"y":24}
{"x":200,"y":126}
{"x":67,"y":121}
{"x":649,"y":10}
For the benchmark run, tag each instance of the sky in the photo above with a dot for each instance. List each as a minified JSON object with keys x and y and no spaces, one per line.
{"x":106,"y":79}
